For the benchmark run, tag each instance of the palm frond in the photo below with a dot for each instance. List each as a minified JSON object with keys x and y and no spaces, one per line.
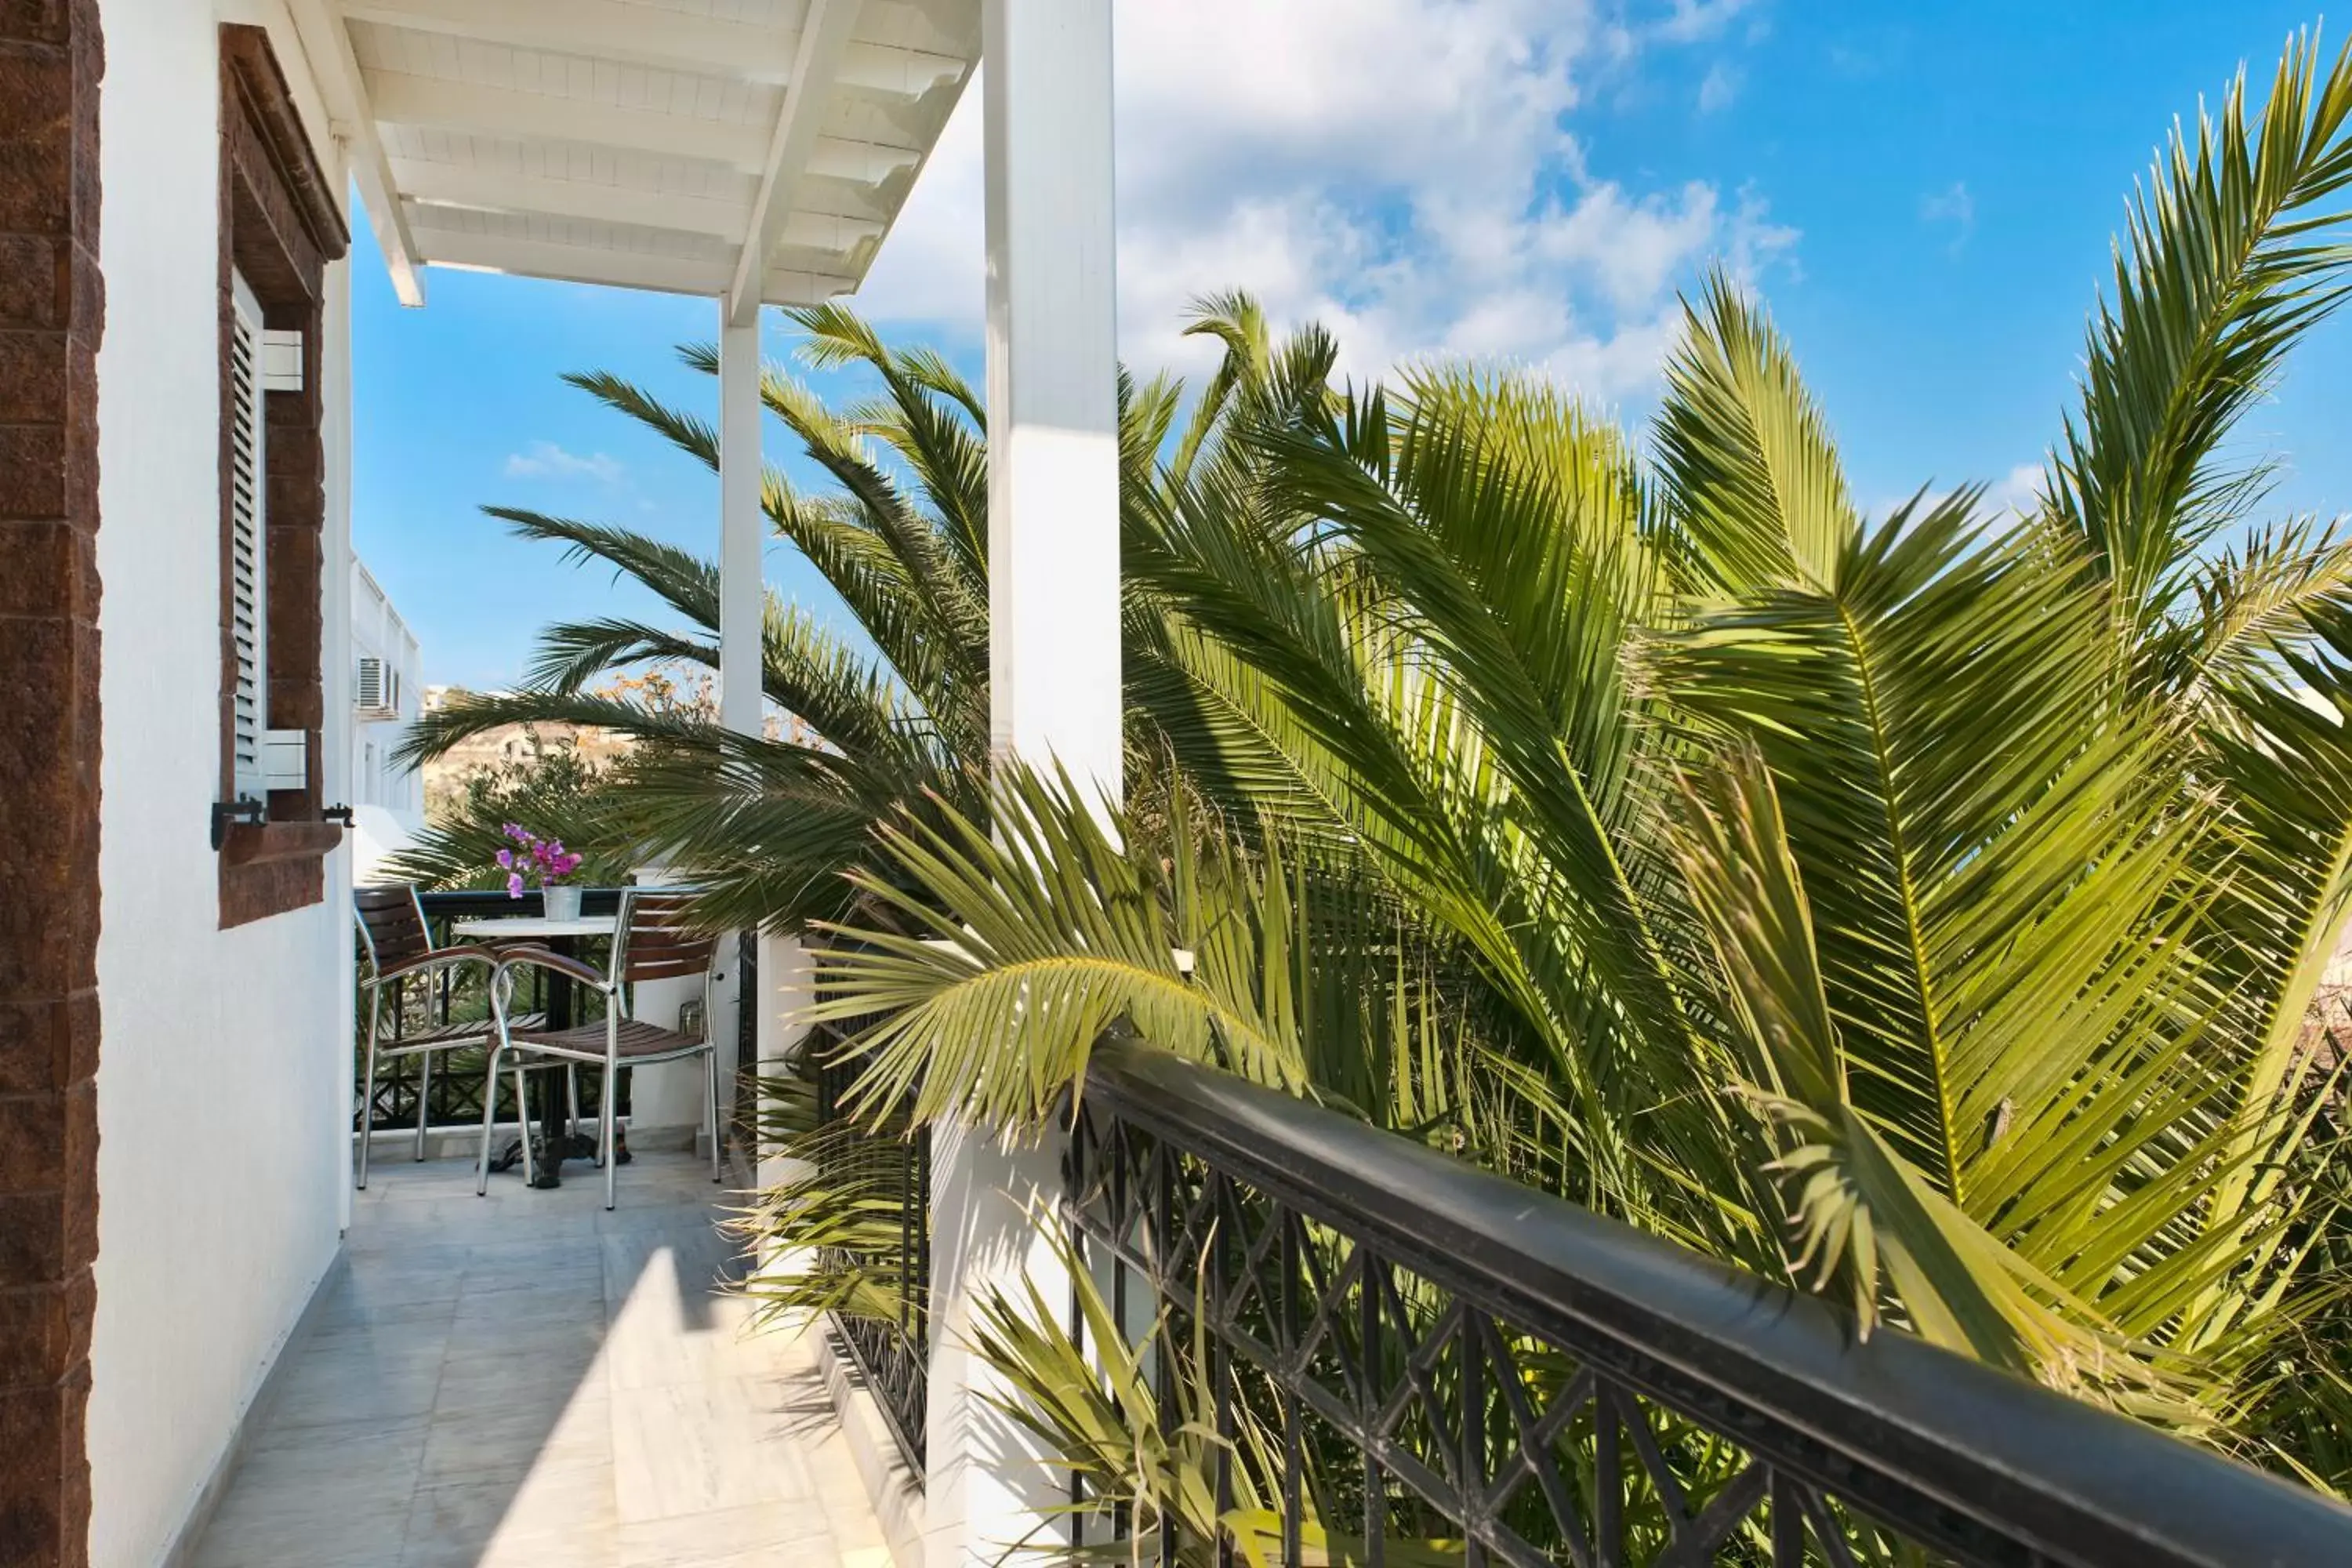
{"x":471,"y":713}
{"x":2227,"y":263}
{"x":689,"y":433}
{"x":680,"y":579}
{"x":771,"y":831}
{"x":1026,"y":938}
{"x":1756,"y":488}
{"x":2250,"y":606}
{"x":1861,"y":1217}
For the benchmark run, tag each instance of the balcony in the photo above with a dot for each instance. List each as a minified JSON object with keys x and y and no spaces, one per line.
{"x":1463,"y":645}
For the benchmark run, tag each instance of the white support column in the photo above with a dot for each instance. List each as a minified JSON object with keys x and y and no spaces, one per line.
{"x":742,"y":601}
{"x":742,"y":529}
{"x":1052,"y":387}
{"x":335,"y":770}
{"x":1053,"y":499}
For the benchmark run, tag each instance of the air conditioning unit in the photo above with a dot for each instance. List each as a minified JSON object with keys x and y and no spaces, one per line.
{"x":376,"y":693}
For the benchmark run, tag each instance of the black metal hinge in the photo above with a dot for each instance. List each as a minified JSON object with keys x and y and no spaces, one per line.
{"x":227,"y":811}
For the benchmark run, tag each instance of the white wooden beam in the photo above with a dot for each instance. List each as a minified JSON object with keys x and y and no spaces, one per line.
{"x":859,"y":163}
{"x":573,"y":263}
{"x":825,"y":231}
{"x":497,"y":190}
{"x":328,"y":43}
{"x":825,"y":38}
{"x":792,"y":286}
{"x":618,"y":268}
{"x":949,"y":29}
{"x":607,"y":29}
{"x":408,"y":99}
{"x":901,"y":73}
{"x":866,"y":203}
{"x":489,"y":190}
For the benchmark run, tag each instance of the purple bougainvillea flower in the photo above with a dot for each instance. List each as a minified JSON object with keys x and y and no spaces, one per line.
{"x":543,"y":860}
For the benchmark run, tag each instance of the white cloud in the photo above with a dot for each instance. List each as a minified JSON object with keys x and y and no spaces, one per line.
{"x":1720,"y":88}
{"x":1695,"y":21}
{"x":2019,"y":491}
{"x":1754,"y":243}
{"x":1633,"y":248}
{"x":1953,"y":206}
{"x":1402,"y":170}
{"x":546,"y":460}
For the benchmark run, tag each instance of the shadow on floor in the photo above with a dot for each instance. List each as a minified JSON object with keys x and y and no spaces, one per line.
{"x":526,"y":1381}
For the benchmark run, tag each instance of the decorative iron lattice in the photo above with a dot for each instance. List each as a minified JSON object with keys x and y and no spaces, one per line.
{"x":456,"y":1088}
{"x":888,"y":1168}
{"x":746,"y":1098}
{"x":1404,"y":1359}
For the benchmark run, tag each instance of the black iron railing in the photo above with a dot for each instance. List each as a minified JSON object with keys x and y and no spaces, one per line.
{"x":745,"y":1099}
{"x":1403,"y":1357}
{"x":887,"y":1171}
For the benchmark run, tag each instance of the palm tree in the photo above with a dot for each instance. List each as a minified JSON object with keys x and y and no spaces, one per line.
{"x":773,"y":821}
{"x":1994,"y":862}
{"x":902,"y":537}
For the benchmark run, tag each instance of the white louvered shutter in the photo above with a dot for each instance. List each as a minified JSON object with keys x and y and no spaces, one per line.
{"x":369,"y":697}
{"x":249,"y":552}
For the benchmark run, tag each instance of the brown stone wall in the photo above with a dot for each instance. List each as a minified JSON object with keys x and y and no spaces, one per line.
{"x":52,"y":312}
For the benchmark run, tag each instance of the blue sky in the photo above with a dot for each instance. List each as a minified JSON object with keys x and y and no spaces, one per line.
{"x":1924,"y":193}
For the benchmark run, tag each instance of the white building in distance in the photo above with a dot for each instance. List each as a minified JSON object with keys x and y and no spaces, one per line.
{"x":387,"y":798}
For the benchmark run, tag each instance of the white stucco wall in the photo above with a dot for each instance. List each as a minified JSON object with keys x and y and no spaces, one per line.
{"x":223,"y":1068}
{"x":395,"y":794}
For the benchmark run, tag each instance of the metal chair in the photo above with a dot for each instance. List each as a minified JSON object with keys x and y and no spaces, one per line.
{"x":398,"y":943}
{"x":651,"y":941}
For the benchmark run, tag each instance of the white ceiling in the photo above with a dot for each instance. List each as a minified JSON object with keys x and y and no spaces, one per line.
{"x":756,"y":150}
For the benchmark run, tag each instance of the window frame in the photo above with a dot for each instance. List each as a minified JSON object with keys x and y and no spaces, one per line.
{"x":280,"y":229}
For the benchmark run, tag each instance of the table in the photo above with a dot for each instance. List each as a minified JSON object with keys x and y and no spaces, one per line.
{"x":563,"y":936}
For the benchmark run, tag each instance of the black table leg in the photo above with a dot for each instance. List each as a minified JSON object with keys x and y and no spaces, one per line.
{"x":554,"y":1141}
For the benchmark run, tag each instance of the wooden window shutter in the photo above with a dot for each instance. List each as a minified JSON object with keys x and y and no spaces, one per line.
{"x":249,"y":551}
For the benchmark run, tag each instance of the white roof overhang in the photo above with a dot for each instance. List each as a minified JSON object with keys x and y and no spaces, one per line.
{"x":754,"y":149}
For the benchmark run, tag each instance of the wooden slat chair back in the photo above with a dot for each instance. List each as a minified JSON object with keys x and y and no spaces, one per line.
{"x":652,"y":939}
{"x":392,"y":921}
{"x":655,"y":943}
{"x":400,"y":948}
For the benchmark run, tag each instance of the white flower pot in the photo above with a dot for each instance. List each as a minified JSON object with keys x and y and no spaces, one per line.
{"x":562,"y":903}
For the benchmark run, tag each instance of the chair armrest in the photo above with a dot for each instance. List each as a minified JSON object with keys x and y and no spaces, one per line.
{"x":521,"y":956}
{"x":444,"y":958}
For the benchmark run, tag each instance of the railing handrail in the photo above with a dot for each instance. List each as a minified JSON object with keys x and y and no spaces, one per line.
{"x":1892,"y":1421}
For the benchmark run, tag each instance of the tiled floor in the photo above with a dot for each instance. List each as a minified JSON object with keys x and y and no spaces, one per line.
{"x":525,"y":1381}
